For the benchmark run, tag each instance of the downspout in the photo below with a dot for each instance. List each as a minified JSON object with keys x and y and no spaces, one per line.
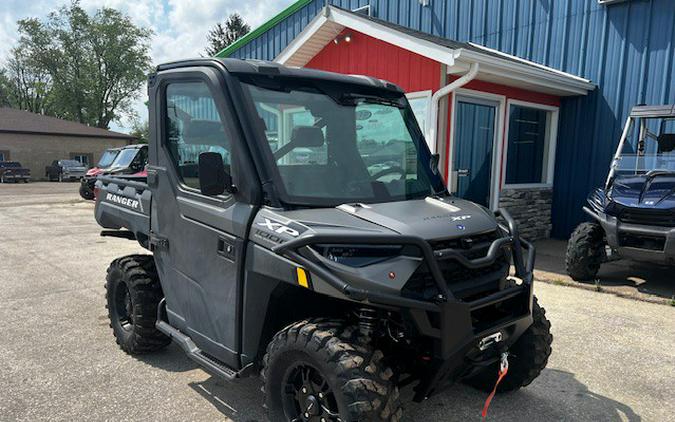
{"x":432,"y":120}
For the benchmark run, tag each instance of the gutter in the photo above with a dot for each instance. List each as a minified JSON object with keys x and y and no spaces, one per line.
{"x":432,"y":116}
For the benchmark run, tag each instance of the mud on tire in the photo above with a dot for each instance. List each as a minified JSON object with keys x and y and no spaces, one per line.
{"x":527,"y":357}
{"x":585,"y":251}
{"x":359,"y":385}
{"x":132,"y":295}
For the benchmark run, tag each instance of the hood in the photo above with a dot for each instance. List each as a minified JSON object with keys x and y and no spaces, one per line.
{"x":642,"y":191}
{"x":431,"y":219}
{"x":94,"y":171}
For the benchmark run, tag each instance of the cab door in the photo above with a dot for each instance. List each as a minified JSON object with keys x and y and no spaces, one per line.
{"x":198,"y":240}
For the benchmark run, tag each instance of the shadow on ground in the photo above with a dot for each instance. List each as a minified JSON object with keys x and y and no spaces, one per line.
{"x":623,"y":276}
{"x":555,"y":395}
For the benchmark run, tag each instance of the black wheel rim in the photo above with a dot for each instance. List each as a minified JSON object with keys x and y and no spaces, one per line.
{"x":307,"y":397}
{"x":123,"y":306}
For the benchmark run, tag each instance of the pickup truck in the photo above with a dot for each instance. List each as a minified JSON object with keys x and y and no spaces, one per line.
{"x":65,"y":170}
{"x":13,"y":171}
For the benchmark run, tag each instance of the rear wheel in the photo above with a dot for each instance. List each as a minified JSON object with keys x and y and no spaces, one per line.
{"x":585,"y":251}
{"x":323,"y":370}
{"x":527,"y":357}
{"x":133,"y":293}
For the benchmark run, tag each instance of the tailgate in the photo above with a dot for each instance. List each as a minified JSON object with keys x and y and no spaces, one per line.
{"x":123,"y":203}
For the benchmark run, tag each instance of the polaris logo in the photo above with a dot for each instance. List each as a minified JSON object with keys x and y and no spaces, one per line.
{"x":460,"y":217}
{"x":279,"y":228}
{"x":127,"y":202}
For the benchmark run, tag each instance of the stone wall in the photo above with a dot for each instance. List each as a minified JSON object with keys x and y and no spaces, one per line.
{"x":531,"y":208}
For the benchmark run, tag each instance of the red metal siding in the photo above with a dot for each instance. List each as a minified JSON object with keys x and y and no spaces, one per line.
{"x":366,"y":55}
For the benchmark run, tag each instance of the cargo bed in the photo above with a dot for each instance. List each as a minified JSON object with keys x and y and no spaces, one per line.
{"x":124,"y":203}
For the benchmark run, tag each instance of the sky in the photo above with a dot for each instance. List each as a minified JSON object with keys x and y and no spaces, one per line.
{"x":179,"y":26}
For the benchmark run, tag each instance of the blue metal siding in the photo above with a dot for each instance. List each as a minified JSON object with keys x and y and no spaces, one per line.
{"x":626,"y":48}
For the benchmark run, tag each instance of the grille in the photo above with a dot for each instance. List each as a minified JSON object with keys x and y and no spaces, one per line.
{"x":463,"y":282}
{"x":662,"y":218}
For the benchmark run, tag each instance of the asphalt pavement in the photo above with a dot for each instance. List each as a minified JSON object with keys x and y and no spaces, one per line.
{"x":613,"y":358}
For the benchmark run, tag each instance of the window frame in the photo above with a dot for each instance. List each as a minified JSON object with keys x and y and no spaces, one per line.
{"x":416,"y":95}
{"x":550,"y":138}
{"x":497,"y":151}
{"x":194,"y":77}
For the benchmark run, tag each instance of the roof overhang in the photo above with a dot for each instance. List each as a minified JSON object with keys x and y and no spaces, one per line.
{"x":495,"y":66}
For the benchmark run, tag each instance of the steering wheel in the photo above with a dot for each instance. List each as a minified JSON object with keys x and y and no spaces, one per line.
{"x":390,"y":170}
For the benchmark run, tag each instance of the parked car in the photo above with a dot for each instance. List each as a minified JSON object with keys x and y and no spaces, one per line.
{"x":87,"y":182}
{"x":634,"y":213}
{"x":65,"y":170}
{"x":13,"y":171}
{"x":129,"y":160}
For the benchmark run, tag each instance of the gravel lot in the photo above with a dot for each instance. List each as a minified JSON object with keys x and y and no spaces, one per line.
{"x":613,"y":359}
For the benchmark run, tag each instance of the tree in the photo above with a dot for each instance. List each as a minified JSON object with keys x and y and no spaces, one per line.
{"x":25,"y":86}
{"x":221,"y":36}
{"x":141,"y":131}
{"x":96,"y":63}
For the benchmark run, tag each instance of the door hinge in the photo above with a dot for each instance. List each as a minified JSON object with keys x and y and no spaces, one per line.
{"x":158,"y":242}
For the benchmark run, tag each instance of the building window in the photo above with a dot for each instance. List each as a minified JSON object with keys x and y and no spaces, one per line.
{"x":419,"y":103}
{"x":85,"y":159}
{"x":531,"y":144}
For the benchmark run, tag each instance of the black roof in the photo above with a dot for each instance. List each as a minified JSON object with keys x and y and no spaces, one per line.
{"x":263,"y":67}
{"x":665,"y":110}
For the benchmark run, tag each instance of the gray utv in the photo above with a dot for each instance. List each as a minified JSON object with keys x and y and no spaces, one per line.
{"x":299,"y":228}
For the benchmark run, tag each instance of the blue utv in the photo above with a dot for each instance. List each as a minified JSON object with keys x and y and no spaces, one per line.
{"x":634,"y":214}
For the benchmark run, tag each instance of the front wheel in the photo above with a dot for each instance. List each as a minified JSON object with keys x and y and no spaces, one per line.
{"x":585,"y":251}
{"x":86,"y":192}
{"x":527,"y":357}
{"x":322,"y":370}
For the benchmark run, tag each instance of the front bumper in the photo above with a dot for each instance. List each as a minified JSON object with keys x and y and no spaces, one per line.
{"x":72,"y":176}
{"x":636,"y":241}
{"x":457,"y":326}
{"x":16,"y":177}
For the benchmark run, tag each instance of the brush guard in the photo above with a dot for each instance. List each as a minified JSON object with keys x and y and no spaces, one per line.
{"x":455,"y":329}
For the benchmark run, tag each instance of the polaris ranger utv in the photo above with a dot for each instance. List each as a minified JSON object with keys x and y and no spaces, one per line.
{"x":340,"y":272}
{"x":634,"y":214}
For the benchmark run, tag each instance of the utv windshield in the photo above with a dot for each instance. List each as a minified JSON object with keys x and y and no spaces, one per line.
{"x":649,"y":147}
{"x":330,"y":147}
{"x":125,"y":158}
{"x":107,"y":158}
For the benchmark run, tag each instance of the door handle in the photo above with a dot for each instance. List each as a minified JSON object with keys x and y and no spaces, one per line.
{"x":226,"y":249}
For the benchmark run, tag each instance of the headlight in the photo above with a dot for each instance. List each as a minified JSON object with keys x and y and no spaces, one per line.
{"x":359,"y":255}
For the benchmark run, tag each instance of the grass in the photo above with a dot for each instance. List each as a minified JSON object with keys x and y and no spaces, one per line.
{"x":598,"y":288}
{"x":672,"y":301}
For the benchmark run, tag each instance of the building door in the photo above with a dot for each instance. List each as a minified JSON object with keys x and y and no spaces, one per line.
{"x":473,"y":144}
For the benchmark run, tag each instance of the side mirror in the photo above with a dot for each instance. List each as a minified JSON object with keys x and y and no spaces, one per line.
{"x":433,"y":163}
{"x":213,"y":179}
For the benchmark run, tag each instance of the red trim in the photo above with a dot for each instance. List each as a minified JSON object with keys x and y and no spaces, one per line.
{"x":366,"y":55}
{"x":511,"y":93}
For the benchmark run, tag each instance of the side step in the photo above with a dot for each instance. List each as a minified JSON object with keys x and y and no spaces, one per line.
{"x":193,"y":352}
